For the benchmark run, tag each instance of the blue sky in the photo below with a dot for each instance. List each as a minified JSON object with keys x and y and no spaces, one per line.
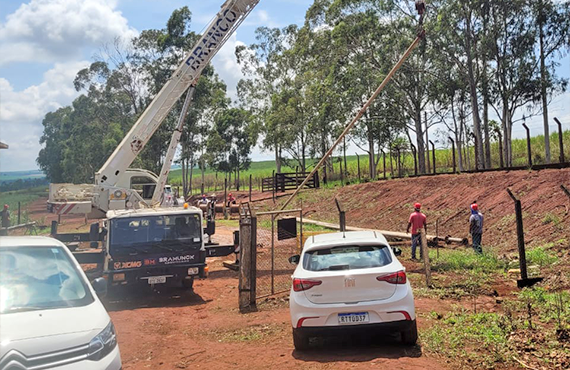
{"x":43,"y":43}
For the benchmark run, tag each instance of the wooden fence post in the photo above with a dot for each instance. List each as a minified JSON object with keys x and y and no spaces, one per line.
{"x":247,"y":266}
{"x":425,"y":253}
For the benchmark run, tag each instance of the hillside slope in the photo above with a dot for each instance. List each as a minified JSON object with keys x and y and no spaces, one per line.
{"x":387,"y":204}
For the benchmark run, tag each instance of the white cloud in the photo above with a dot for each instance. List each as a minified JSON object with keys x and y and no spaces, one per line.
{"x":261,"y":18}
{"x":22,"y":112}
{"x":52,"y":30}
{"x":226,"y":65}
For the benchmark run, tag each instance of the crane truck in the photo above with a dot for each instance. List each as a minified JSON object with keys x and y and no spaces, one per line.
{"x":140,"y":242}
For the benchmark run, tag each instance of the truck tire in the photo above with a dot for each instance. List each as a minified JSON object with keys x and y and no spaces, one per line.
{"x":300,"y":340}
{"x":410,"y":335}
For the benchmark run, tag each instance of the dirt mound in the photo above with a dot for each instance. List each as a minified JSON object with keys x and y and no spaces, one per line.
{"x":387,"y":204}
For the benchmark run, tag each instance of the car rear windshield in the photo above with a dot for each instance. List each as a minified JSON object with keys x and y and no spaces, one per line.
{"x":33,"y":278}
{"x":347,"y":258}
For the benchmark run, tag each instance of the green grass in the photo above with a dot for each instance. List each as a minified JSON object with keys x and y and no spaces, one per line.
{"x":460,"y":335}
{"x":465,"y":260}
{"x":25,"y":197}
{"x":527,"y":324}
{"x":541,"y":256}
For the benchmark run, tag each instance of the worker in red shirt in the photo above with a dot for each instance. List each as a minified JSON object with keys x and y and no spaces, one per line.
{"x":416,"y":222}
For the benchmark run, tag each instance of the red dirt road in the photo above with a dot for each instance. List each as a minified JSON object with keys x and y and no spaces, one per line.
{"x":205,"y":330}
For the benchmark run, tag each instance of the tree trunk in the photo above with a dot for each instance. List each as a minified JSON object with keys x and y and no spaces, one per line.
{"x":427,"y":144}
{"x":473,"y":91}
{"x":420,"y":142}
{"x":203,"y":169}
{"x":191,"y":172}
{"x":485,"y":87}
{"x":543,"y":85}
{"x":344,"y":155}
{"x":237,"y":177}
{"x":278,"y":158}
{"x":486,"y":127}
{"x":371,"y":167}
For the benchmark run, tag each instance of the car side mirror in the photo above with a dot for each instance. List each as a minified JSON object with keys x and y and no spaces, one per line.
{"x":100,"y":286}
{"x":397,"y":251}
{"x":294,"y":260}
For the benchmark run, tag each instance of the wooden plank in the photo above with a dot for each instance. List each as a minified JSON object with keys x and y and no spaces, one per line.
{"x":386,"y":233}
{"x":425,"y":253}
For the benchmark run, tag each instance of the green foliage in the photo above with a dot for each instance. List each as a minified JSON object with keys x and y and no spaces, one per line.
{"x":550,"y":217}
{"x":465,"y":260}
{"x":540,"y":256}
{"x":460,"y":333}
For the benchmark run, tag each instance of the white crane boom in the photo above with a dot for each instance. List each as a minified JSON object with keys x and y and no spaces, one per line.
{"x":232,"y":13}
{"x":163,"y":177}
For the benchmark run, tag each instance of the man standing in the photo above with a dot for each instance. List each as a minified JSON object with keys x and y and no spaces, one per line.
{"x":5,"y":216}
{"x":417,"y":221}
{"x":476,"y":227}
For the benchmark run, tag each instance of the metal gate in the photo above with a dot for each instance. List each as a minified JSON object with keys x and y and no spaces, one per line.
{"x":279,"y":236}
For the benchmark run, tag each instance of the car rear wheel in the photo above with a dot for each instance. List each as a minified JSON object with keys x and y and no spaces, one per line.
{"x":410,"y":335}
{"x":300,"y":340}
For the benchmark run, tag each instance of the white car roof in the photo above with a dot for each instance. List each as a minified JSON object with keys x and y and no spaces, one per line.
{"x":344,"y":238}
{"x":152,"y":212}
{"x":29,"y":241}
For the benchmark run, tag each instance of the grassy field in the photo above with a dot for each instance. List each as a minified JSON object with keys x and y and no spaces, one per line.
{"x":25,"y":197}
{"x":21,"y":175}
{"x":444,"y":163}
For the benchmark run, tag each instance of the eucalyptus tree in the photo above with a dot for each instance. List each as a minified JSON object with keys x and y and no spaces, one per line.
{"x":261,"y":63}
{"x":552,"y":22}
{"x":515,"y":83}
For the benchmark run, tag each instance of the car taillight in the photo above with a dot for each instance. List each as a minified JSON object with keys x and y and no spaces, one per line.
{"x":395,"y":278}
{"x":304,"y":284}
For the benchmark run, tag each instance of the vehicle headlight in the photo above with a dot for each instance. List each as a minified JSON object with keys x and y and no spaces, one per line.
{"x":103,"y":343}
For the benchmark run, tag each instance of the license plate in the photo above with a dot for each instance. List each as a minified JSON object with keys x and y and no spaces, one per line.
{"x":157,"y":280}
{"x":353,"y":318}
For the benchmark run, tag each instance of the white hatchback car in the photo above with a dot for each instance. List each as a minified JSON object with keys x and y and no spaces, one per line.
{"x":350,"y":281}
{"x":50,"y":316}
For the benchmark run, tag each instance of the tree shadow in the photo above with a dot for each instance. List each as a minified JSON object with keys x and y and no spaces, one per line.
{"x":147,"y":298}
{"x":357,"y":348}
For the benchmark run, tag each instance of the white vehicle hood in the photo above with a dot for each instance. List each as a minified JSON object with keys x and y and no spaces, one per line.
{"x":42,"y":331}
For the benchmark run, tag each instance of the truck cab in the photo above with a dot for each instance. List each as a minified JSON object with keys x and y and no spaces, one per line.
{"x":154,"y":246}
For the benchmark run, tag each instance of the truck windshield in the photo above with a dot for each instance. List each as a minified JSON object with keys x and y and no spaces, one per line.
{"x":144,"y":234}
{"x":38,"y":278}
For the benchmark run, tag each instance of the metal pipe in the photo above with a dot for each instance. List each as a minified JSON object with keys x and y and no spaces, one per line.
{"x":528,"y":144}
{"x":565,"y":190}
{"x":560,"y":140}
{"x":520,"y":235}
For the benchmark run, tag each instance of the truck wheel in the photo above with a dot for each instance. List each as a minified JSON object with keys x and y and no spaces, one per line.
{"x":300,"y":340}
{"x":410,"y":335}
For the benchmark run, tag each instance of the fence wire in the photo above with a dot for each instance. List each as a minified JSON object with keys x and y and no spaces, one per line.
{"x":273,"y":267}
